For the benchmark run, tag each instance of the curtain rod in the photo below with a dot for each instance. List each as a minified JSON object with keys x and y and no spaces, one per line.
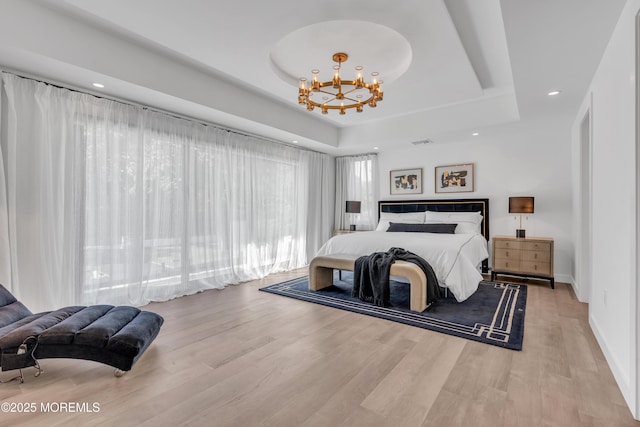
{"x":147,"y":107}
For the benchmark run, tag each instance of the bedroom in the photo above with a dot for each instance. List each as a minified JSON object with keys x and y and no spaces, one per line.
{"x":537,"y":154}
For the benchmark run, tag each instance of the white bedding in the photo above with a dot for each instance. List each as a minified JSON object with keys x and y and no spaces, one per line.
{"x":454,"y":257}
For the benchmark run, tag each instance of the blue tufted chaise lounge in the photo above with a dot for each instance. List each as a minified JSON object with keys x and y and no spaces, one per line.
{"x":116,"y":336}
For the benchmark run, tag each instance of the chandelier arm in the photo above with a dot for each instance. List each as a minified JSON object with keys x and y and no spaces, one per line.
{"x":329,"y":100}
{"x":349,"y":91}
{"x":352,"y":83}
{"x":324,"y":91}
{"x":361,"y":101}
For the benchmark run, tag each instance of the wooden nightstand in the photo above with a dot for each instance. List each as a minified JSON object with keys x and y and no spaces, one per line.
{"x":527,"y":257}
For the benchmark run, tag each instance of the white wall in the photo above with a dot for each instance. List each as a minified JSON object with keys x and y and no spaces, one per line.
{"x":525,"y":158}
{"x":612,"y":299}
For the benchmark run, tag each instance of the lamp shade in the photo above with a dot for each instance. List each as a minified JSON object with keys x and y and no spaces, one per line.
{"x":521,"y":205}
{"x":353,"y":207}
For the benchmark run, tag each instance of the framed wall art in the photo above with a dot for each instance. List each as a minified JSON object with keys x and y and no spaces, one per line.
{"x":406,"y":181}
{"x":454,"y":178}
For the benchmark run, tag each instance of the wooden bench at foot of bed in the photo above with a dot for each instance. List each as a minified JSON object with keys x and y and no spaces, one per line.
{"x":321,"y":275}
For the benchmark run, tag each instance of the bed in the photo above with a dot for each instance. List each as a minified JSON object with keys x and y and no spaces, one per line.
{"x":456,"y":257}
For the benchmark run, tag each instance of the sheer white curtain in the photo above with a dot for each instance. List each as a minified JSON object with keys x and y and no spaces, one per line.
{"x":5,"y":258}
{"x":43,"y":178}
{"x":321,"y":201}
{"x":357,"y":179}
{"x":113,"y":203}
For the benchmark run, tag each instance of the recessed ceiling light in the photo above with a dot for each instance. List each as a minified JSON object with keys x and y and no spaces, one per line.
{"x":294,"y":141}
{"x":376,"y":148}
{"x":100,"y":85}
{"x":554,"y":92}
{"x":475,"y":134}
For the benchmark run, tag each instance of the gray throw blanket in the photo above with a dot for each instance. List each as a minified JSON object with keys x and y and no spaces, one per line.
{"x":371,"y":276}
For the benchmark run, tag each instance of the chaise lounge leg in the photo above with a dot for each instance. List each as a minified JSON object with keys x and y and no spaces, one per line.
{"x":119,"y":372}
{"x":19,"y":378}
{"x":39,"y":370}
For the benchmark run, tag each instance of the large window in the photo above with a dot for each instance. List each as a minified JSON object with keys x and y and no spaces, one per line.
{"x":134,"y":205}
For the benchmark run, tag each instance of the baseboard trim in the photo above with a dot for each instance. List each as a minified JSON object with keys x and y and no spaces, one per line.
{"x":565,"y":278}
{"x":574,"y":285}
{"x":622,"y":382}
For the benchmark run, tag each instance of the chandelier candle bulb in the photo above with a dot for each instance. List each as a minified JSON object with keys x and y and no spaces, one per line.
{"x":359,"y":78}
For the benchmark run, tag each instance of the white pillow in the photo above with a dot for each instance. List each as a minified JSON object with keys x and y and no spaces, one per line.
{"x":468,"y":222}
{"x":468,"y":228}
{"x":405,"y":218}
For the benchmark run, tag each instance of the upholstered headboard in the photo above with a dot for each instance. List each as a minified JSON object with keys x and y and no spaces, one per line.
{"x":442,"y":205}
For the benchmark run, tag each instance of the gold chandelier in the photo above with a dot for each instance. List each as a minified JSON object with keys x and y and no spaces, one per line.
{"x":339,"y":94}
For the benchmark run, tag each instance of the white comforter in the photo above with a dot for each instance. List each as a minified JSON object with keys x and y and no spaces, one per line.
{"x":454,"y":257}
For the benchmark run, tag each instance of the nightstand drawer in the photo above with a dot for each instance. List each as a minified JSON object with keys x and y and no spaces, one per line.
{"x":506,"y":244}
{"x":536,"y":246}
{"x":536,"y":256}
{"x":536,"y":267}
{"x":506,"y":265}
{"x":507,"y":254}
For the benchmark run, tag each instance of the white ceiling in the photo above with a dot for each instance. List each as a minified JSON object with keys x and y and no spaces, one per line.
{"x":452,"y":67}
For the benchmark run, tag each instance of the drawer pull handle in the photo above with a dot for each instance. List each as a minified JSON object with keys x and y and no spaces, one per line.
{"x":535,"y":256}
{"x":507,"y":253}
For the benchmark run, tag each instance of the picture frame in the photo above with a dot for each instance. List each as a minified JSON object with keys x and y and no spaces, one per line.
{"x":454,"y":178}
{"x":405,"y":181}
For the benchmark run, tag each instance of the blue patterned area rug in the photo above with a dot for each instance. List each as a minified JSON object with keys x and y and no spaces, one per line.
{"x":494,"y":314}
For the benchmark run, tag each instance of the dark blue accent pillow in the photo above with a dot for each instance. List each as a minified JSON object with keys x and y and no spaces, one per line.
{"x":422,"y":228}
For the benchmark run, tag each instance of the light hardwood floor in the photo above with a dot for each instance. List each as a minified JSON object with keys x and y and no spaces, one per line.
{"x":240,"y":357}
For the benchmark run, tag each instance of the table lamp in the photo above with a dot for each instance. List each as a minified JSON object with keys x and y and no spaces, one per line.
{"x":520,"y":205}
{"x":353,"y":207}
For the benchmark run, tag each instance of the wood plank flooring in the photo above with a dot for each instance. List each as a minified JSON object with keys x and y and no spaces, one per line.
{"x":240,"y":357}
